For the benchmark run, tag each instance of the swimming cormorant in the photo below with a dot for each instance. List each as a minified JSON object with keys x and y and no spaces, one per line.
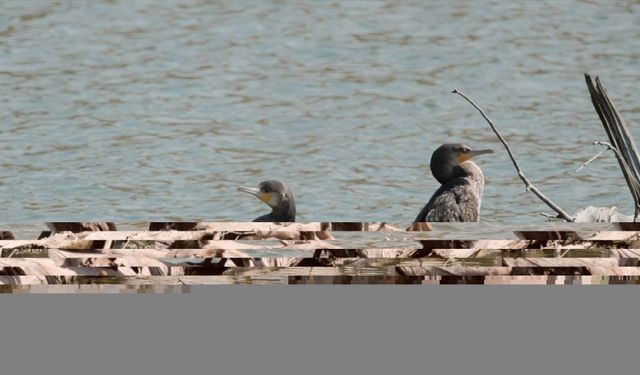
{"x":277,"y":196}
{"x":458,"y":199}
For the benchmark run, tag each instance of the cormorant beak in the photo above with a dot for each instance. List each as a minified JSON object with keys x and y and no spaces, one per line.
{"x":265,"y":197}
{"x":473,"y":153}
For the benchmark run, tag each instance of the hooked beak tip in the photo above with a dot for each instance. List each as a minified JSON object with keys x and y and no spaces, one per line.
{"x":247,"y":189}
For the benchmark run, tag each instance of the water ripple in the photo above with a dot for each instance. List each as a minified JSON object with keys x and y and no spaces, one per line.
{"x":154,"y":110}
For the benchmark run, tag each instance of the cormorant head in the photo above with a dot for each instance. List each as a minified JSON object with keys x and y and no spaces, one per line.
{"x":447,"y":157}
{"x":274,"y":193}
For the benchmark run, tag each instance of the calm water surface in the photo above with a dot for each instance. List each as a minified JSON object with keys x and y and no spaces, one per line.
{"x":136,"y":111}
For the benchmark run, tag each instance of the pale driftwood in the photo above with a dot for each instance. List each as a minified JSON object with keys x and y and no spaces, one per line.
{"x":24,"y":280}
{"x":386,"y":253}
{"x":417,"y":262}
{"x":613,"y":271}
{"x":58,"y":254}
{"x":592,"y":214}
{"x":34,"y":266}
{"x":66,"y":240}
{"x":210,"y":248}
{"x":258,"y":226}
{"x":467,"y":253}
{"x":164,"y":284}
{"x":454,"y":270}
{"x":86,"y":267}
{"x":122,"y":261}
{"x":560,"y":262}
{"x":438,"y":246}
{"x":47,"y":267}
{"x":614,"y":236}
{"x":82,"y":241}
{"x":625,"y":253}
{"x":167,"y":284}
{"x":382,"y":227}
{"x":127,"y":236}
{"x":77,"y":244}
{"x":134,"y":280}
{"x":528,"y":184}
{"x":77,"y":227}
{"x":311,"y":271}
{"x":525,"y":280}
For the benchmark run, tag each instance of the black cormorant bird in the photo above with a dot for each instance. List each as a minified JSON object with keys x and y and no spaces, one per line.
{"x":458,"y":199}
{"x":277,"y":196}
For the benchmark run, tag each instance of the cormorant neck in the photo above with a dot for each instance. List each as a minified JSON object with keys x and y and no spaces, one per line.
{"x":286,"y":211}
{"x":445,"y":173}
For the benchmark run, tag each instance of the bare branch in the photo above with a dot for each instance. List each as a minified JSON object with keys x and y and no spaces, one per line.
{"x":528,"y":184}
{"x":619,"y":136}
{"x":608,"y":146}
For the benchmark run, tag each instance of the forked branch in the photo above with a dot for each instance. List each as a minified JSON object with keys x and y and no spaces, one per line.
{"x":528,"y":184}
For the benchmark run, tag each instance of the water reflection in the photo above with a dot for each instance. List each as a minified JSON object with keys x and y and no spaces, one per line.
{"x":156,"y":111}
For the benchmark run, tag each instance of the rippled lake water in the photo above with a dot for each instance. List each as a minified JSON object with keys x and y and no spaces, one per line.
{"x":148,"y":110}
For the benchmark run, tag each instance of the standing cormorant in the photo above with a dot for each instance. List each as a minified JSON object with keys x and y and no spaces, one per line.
{"x":277,"y":196}
{"x":458,"y":199}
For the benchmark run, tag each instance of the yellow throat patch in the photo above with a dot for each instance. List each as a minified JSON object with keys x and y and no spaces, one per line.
{"x":463,"y":157}
{"x":265,"y":197}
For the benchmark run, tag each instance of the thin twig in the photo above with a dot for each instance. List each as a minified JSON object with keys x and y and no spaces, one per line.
{"x":590,"y":160}
{"x":528,"y":184}
{"x":609,"y":147}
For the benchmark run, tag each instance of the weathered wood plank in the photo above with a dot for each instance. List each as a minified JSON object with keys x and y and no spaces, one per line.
{"x":311,"y":271}
{"x":614,"y":236}
{"x":455,"y":270}
{"x":613,"y":271}
{"x":560,"y":262}
{"x":88,"y":284}
{"x":625,"y":253}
